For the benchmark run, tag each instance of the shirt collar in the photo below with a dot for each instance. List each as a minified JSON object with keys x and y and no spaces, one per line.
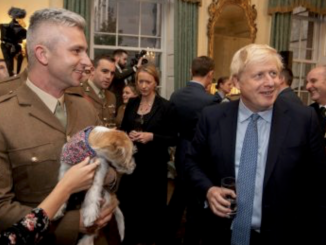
{"x":50,"y":101}
{"x":94,"y":87}
{"x":245,"y":113}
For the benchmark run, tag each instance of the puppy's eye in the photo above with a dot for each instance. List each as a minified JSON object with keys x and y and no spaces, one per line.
{"x":134,"y":149}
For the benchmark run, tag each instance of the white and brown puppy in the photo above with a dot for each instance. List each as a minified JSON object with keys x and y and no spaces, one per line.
{"x":114,"y":149}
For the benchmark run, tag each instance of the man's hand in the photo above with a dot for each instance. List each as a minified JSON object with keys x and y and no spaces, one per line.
{"x":103,"y":219}
{"x":216,"y":197}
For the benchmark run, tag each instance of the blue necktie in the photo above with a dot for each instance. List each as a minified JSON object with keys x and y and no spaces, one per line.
{"x":246,"y":185}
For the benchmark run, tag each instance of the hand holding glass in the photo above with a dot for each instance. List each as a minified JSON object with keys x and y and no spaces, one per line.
{"x":230,"y":183}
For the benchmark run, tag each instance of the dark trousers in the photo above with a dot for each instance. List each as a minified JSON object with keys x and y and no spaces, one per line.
{"x":10,"y":51}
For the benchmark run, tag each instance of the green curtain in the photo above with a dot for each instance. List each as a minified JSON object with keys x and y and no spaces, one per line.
{"x":185,"y":40}
{"x":285,"y":6}
{"x":83,"y":8}
{"x":281,"y":11}
{"x":281,"y":31}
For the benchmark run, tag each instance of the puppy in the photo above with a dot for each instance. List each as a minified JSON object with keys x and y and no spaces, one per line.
{"x":114,"y":149}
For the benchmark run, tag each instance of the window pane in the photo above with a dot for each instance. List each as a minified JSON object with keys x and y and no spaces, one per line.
{"x":99,"y":52}
{"x":102,"y":39}
{"x":105,"y":16}
{"x":128,"y":41}
{"x":151,"y":19}
{"x":150,"y":43}
{"x":295,"y":32}
{"x":129,"y":17}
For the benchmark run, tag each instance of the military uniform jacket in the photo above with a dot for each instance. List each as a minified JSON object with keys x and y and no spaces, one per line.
{"x":102,"y":106}
{"x":31,"y":138}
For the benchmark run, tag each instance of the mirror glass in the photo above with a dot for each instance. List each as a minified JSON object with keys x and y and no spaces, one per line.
{"x":231,"y":32}
{"x":231,"y":26}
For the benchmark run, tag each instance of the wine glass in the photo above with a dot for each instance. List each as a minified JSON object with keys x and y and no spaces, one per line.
{"x":230,"y":183}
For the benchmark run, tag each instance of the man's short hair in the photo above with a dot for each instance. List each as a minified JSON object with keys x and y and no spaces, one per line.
{"x":103,"y":57}
{"x":253,"y":54}
{"x":287,"y":75}
{"x":59,"y":17}
{"x":119,"y":52}
{"x":201,"y":66}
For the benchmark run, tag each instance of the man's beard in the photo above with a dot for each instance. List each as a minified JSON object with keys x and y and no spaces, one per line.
{"x":121,"y":65}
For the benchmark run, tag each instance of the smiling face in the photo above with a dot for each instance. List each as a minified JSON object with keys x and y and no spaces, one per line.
{"x":259,"y":85}
{"x":66,"y":55}
{"x":104,"y":73}
{"x":127,"y":93}
{"x":316,"y":84}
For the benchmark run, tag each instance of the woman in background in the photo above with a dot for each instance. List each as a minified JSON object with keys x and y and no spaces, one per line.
{"x":223,"y":86}
{"x":149,"y":122}
{"x":129,"y":91}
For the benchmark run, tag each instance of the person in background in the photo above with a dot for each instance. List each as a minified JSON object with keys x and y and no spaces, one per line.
{"x":95,"y":89}
{"x":316,"y":86}
{"x":189,"y":102}
{"x":129,"y":91}
{"x":272,"y":148}
{"x":223,"y":87}
{"x":286,"y":92}
{"x":12,"y":36}
{"x":37,"y":223}
{"x":149,"y":121}
{"x":123,"y":73}
{"x":38,"y":118}
{"x":3,"y":70}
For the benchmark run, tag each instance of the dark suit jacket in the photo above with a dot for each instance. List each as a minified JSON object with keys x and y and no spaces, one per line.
{"x":119,"y":82}
{"x":288,"y":94}
{"x":189,"y":103}
{"x":321,"y":119}
{"x":295,"y":158}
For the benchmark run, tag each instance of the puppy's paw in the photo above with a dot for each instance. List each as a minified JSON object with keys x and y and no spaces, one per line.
{"x":90,"y":214}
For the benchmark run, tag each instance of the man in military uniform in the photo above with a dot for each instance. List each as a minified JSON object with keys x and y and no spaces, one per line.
{"x":95,"y":89}
{"x":39,"y":117}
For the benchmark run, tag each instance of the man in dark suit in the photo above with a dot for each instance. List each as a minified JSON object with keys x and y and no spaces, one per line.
{"x":316,"y":85}
{"x":189,"y":102}
{"x":122,"y":73}
{"x":286,"y":92}
{"x":254,"y":140}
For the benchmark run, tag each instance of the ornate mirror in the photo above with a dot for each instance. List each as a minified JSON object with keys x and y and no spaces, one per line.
{"x":231,"y":26}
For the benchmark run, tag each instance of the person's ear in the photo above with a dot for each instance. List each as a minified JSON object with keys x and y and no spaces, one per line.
{"x":42,"y":54}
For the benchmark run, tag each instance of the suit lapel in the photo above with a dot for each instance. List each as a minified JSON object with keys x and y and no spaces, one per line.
{"x":280,"y":125}
{"x":37,"y":108}
{"x":156,"y":105}
{"x":228,"y":129}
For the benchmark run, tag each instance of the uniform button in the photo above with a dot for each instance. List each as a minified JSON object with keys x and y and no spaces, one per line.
{"x":34,"y":159}
{"x":68,"y":138}
{"x":10,"y":92}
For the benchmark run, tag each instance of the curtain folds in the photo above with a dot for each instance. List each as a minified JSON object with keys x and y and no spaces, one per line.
{"x":185,"y":40}
{"x":281,"y":31}
{"x":285,"y":6}
{"x":193,"y":1}
{"x":83,"y":8}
